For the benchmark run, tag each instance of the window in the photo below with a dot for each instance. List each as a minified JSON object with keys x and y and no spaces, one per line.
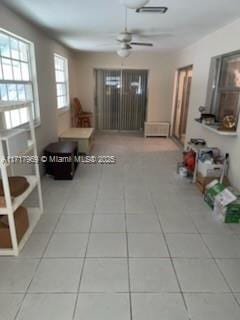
{"x":224,"y":86}
{"x":61,"y":75}
{"x":16,"y":76}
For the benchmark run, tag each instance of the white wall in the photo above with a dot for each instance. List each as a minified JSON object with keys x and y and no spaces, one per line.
{"x":199,"y":54}
{"x":160,"y":87}
{"x":51,"y":121}
{"x":160,"y":84}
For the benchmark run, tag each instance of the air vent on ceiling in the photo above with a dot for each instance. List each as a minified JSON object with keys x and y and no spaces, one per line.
{"x":161,"y":10}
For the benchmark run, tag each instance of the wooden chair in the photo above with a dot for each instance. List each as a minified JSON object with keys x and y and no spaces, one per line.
{"x":80,"y":118}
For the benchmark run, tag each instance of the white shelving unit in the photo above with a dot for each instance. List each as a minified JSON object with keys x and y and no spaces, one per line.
{"x":34,"y":180}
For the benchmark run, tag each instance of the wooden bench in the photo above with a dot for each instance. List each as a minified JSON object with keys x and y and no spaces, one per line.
{"x":84,"y":137}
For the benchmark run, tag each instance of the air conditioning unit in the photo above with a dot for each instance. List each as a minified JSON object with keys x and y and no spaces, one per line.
{"x":156,"y":129}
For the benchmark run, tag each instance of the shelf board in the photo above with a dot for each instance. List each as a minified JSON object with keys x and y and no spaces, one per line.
{"x":32,"y":180}
{"x":13,"y":105}
{"x":219,"y":132}
{"x":34,"y":215}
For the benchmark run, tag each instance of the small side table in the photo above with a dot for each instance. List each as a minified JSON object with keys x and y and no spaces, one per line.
{"x":61,"y":160}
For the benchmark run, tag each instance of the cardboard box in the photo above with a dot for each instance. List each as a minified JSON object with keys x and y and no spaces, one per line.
{"x":229,"y":214}
{"x":21,"y":223}
{"x":202,"y":182}
{"x":232,"y":214}
{"x":212,"y":190}
{"x":227,"y":207}
{"x":3,"y":202}
{"x":210,"y":170}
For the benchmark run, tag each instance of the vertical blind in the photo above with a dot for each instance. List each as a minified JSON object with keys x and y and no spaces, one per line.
{"x":121,"y":97}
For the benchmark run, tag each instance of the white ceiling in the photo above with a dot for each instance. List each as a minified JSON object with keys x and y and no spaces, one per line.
{"x":94,"y":24}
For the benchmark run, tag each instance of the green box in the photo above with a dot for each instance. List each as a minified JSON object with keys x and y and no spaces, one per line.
{"x":212,"y":192}
{"x":232,"y":218}
{"x":233,"y":212}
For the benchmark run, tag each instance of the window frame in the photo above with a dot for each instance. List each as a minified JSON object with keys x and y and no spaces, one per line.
{"x":214,"y":89}
{"x":32,"y":78}
{"x":65,"y":82}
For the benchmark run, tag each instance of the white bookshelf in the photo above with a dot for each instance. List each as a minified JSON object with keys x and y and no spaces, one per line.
{"x":12,"y":204}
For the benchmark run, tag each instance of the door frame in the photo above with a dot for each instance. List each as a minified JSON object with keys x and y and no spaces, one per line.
{"x":175,"y":100}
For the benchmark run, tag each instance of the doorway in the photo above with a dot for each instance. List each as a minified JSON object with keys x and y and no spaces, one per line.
{"x":121,"y":99}
{"x":184,"y":81}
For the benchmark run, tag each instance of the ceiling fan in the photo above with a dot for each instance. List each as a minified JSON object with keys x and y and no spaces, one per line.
{"x":125,"y":40}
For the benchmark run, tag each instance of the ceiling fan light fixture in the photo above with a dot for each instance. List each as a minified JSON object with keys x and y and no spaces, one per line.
{"x":134,"y":4}
{"x":124,"y":37}
{"x":123,"y":53}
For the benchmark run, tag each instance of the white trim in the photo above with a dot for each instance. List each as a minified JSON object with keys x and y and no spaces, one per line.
{"x":66,"y":82}
{"x":32,"y":71}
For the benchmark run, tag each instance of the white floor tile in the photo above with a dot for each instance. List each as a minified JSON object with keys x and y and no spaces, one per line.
{"x":35,"y":246}
{"x":79,"y":205}
{"x":111,"y":206}
{"x":110,"y":193}
{"x":54,"y":204}
{"x":152,"y":275}
{"x":67,"y":245}
{"x":187,"y":246}
{"x":177,"y":223}
{"x":199,"y":275}
{"x":9,"y":305}
{"x":145,"y":245}
{"x":237,"y":295}
{"x":104,"y":306}
{"x":212,"y":307}
{"x":47,"y":223}
{"x":57,"y":276}
{"x":16,"y":274}
{"x":47,"y":307}
{"x":223,"y":247}
{"x":207,"y":224}
{"x":167,"y":203}
{"x":142,"y":223}
{"x":84,"y":190}
{"x":107,"y":245}
{"x":105,"y":275}
{"x":136,"y":192}
{"x":144,"y":178}
{"x":139,"y":205}
{"x":108,"y":223}
{"x":230,"y":269}
{"x":74,"y":223}
{"x":158,"y":306}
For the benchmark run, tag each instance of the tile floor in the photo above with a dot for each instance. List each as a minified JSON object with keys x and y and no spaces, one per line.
{"x":130,"y":241}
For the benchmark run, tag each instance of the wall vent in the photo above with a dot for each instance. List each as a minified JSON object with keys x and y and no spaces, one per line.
{"x":161,"y":10}
{"x":156,"y":129}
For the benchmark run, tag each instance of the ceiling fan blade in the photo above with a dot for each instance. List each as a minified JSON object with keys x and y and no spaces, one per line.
{"x":150,"y":33}
{"x":143,"y":44}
